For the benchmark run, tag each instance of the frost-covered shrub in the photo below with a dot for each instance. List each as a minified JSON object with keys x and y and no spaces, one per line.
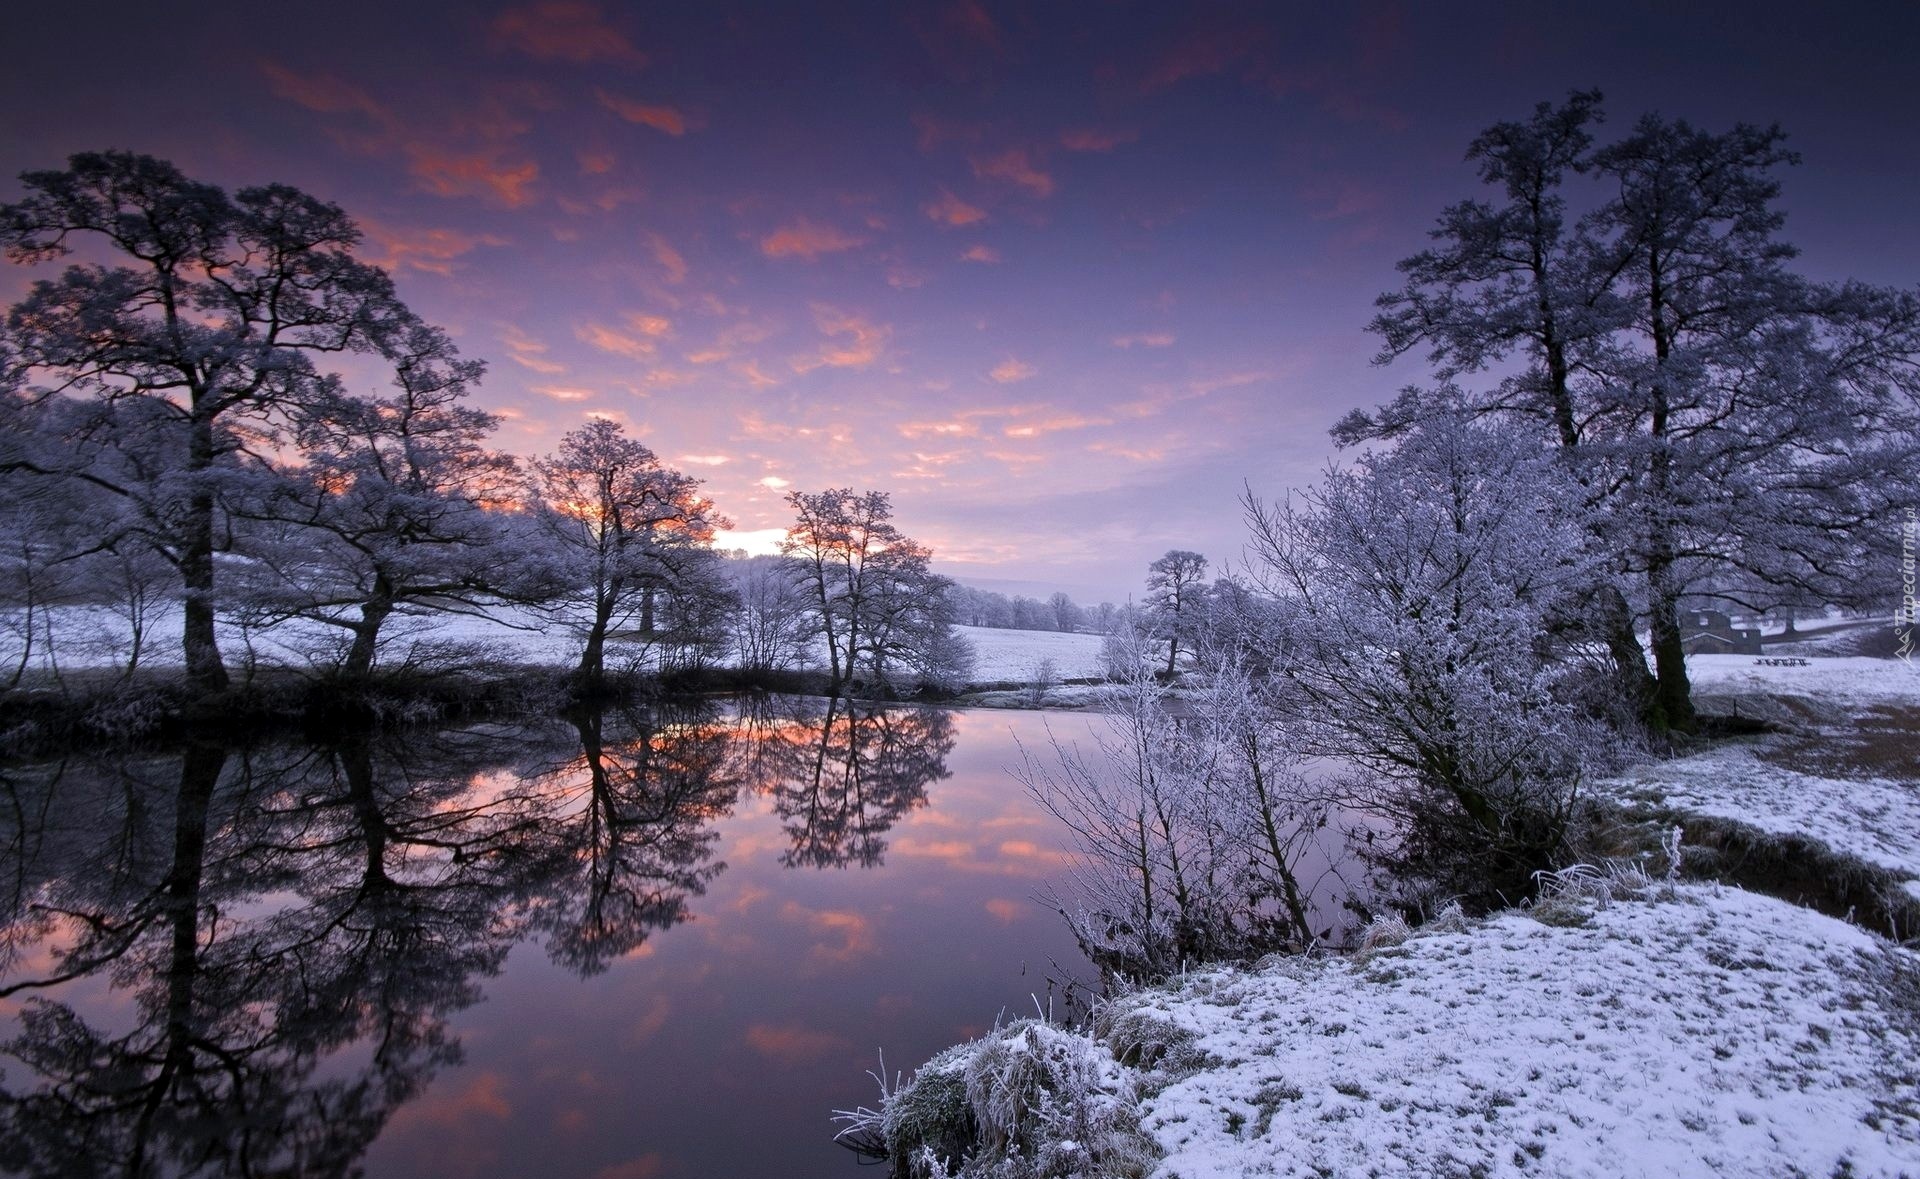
{"x":1029,"y":1101}
{"x":1382,"y":933}
{"x":1419,"y":585}
{"x":1145,"y":1039}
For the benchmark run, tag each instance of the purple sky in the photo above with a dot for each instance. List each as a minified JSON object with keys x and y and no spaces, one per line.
{"x":1061,"y":277}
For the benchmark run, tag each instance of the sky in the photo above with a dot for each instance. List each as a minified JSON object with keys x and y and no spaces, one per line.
{"x":1064,"y":279}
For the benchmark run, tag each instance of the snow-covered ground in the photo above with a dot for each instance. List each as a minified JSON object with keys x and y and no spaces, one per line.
{"x":1875,"y":819}
{"x":1719,"y":1033}
{"x":1836,"y":681}
{"x":1838,"y":781}
{"x":1014,"y":654}
{"x":92,"y":637}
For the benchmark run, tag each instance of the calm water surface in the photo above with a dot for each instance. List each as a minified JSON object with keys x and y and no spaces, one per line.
{"x":652,"y":943}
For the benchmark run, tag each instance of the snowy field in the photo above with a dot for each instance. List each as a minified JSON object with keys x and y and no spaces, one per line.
{"x":94,"y":637}
{"x":1834,"y":681}
{"x":1838,"y":782}
{"x":1015,"y":654}
{"x":1720,"y":1033}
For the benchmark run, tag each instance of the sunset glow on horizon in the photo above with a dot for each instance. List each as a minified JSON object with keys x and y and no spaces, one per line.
{"x":1062,"y":279}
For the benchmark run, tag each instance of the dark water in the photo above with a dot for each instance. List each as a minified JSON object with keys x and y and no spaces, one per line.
{"x":653,"y":943}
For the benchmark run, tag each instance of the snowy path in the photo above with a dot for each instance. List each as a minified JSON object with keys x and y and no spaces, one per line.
{"x":1720,"y":1033}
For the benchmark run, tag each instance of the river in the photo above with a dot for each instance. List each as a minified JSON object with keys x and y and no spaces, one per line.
{"x":655,"y":943}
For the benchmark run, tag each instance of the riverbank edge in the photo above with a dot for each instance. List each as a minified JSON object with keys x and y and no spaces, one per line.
{"x":1721,"y":857}
{"x":90,"y":709}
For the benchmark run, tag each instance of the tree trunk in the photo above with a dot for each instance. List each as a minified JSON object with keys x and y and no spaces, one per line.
{"x":592,"y":670}
{"x":1673,"y":696}
{"x":206,"y":671}
{"x":366,"y":636}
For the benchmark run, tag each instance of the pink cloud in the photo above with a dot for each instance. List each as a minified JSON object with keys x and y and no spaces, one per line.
{"x":1011,"y":370}
{"x":980,"y":253}
{"x":931,"y":131}
{"x":852,"y":340}
{"x":431,"y":251}
{"x":647,"y":1166}
{"x":951,"y":211}
{"x":669,"y":119}
{"x":483,"y":173}
{"x":1095,"y":139}
{"x":669,"y":259}
{"x":563,"y":30}
{"x":562,"y":392}
{"x":529,"y":353}
{"x":1015,"y":166}
{"x":807,"y":239}
{"x":322,"y":93}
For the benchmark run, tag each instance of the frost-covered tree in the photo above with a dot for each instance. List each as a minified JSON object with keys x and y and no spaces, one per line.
{"x":625,"y":532}
{"x":211,"y":313}
{"x":1174,"y":580}
{"x":1741,"y":426}
{"x":1416,"y":585}
{"x":875,"y":600}
{"x":770,"y":629}
{"x":393,"y":508}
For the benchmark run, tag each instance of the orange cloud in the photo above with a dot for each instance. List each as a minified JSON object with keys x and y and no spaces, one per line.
{"x":952,"y":211}
{"x":1094,"y":139}
{"x":1049,"y":426}
{"x":793,"y":1044}
{"x":1203,"y":53}
{"x":1010,"y":370}
{"x":930,"y":132}
{"x":754,"y":377}
{"x":596,"y":163}
{"x":1014,"y":166}
{"x":980,"y":253}
{"x":863,"y":341}
{"x":806,"y":239}
{"x":635,"y":342}
{"x":661,"y":118}
{"x":647,"y":1166}
{"x":612,"y":340}
{"x":668,"y":258}
{"x":472,"y":174}
{"x":1145,"y":340}
{"x":431,"y":251}
{"x":321,"y":93}
{"x":528,"y":352}
{"x":563,"y":30}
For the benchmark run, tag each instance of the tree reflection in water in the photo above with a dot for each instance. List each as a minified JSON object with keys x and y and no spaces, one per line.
{"x":843,"y":772}
{"x":242,"y":961}
{"x":636,"y":839}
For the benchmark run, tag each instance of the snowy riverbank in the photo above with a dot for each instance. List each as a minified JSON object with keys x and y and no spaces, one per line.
{"x":1670,"y":1030}
{"x":1697,"y":1031}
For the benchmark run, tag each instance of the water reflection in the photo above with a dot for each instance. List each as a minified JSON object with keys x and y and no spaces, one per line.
{"x":842,"y":773}
{"x":243,"y":961}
